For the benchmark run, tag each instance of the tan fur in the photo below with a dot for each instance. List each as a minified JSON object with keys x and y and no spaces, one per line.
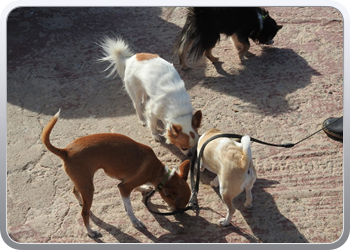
{"x":235,"y":171}
{"x":121,"y":158}
{"x":145,"y":56}
{"x":210,"y":56}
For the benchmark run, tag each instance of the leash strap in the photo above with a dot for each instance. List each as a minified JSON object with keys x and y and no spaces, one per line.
{"x":158,"y":189}
{"x":180,"y":211}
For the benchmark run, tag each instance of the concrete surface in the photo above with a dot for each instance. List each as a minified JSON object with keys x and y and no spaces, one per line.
{"x":280,"y":94}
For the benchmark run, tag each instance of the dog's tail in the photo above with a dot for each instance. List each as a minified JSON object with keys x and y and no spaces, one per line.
{"x":45,"y":137}
{"x":116,"y":51}
{"x":193,"y":36}
{"x":188,"y":33}
{"x":247,"y":152}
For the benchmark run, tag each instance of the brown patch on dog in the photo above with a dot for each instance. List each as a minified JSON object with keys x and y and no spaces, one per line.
{"x":145,"y":56}
{"x":196,"y":120}
{"x":178,"y":138}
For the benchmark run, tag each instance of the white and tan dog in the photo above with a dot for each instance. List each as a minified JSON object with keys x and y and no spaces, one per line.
{"x":233,"y":164}
{"x":155,"y":83}
{"x":122,"y":158}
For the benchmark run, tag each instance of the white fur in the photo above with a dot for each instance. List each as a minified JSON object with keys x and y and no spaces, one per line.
{"x":154,"y":78}
{"x":130,"y":213}
{"x":202,"y":166}
{"x":245,"y":141}
{"x":115,"y":52}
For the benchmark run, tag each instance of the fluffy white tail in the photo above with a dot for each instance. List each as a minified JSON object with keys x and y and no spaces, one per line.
{"x":116,"y":51}
{"x":245,"y":141}
{"x":246,"y":144}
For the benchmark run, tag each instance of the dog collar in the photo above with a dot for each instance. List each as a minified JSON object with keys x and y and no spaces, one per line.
{"x":165,"y":179}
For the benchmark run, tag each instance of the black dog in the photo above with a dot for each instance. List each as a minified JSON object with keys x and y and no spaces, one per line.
{"x":205,"y":24}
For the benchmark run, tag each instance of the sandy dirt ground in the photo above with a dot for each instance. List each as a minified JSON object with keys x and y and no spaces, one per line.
{"x":281,"y":93}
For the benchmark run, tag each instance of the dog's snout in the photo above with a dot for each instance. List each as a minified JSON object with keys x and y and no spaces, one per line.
{"x":271,"y":42}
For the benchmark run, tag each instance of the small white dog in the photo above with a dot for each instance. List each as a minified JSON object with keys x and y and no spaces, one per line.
{"x":232,"y":162}
{"x":152,"y":81}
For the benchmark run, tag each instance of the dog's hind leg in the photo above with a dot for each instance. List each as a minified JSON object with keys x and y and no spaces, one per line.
{"x":228,"y":192}
{"x":209,"y":41}
{"x":249,"y":202}
{"x":136,"y":94}
{"x":210,"y":56}
{"x":227,"y":199}
{"x":248,"y":189}
{"x":87,"y":192}
{"x":77,"y":195}
{"x":182,"y":55}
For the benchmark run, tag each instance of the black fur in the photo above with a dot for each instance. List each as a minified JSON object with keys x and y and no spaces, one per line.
{"x":205,"y":24}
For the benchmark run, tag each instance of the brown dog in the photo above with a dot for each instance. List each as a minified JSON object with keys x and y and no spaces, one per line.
{"x":132,"y":163}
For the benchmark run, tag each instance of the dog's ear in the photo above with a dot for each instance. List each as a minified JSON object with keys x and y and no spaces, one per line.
{"x":196,"y":119}
{"x":184,"y":169}
{"x":175,"y":129}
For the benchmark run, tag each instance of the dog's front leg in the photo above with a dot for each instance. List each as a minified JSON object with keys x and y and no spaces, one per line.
{"x":242,"y":45}
{"x":152,"y":124}
{"x":130,"y":213}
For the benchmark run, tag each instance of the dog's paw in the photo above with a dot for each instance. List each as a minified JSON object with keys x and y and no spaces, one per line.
{"x":94,"y":234}
{"x":142,"y":122}
{"x":138,"y":224}
{"x":223,"y":222}
{"x":248,"y":205}
{"x":157,"y":138}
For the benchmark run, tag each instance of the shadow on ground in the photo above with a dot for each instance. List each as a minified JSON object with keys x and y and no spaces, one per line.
{"x":52,"y":55}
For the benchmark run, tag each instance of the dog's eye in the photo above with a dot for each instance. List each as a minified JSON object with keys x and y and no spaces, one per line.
{"x":184,"y":149}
